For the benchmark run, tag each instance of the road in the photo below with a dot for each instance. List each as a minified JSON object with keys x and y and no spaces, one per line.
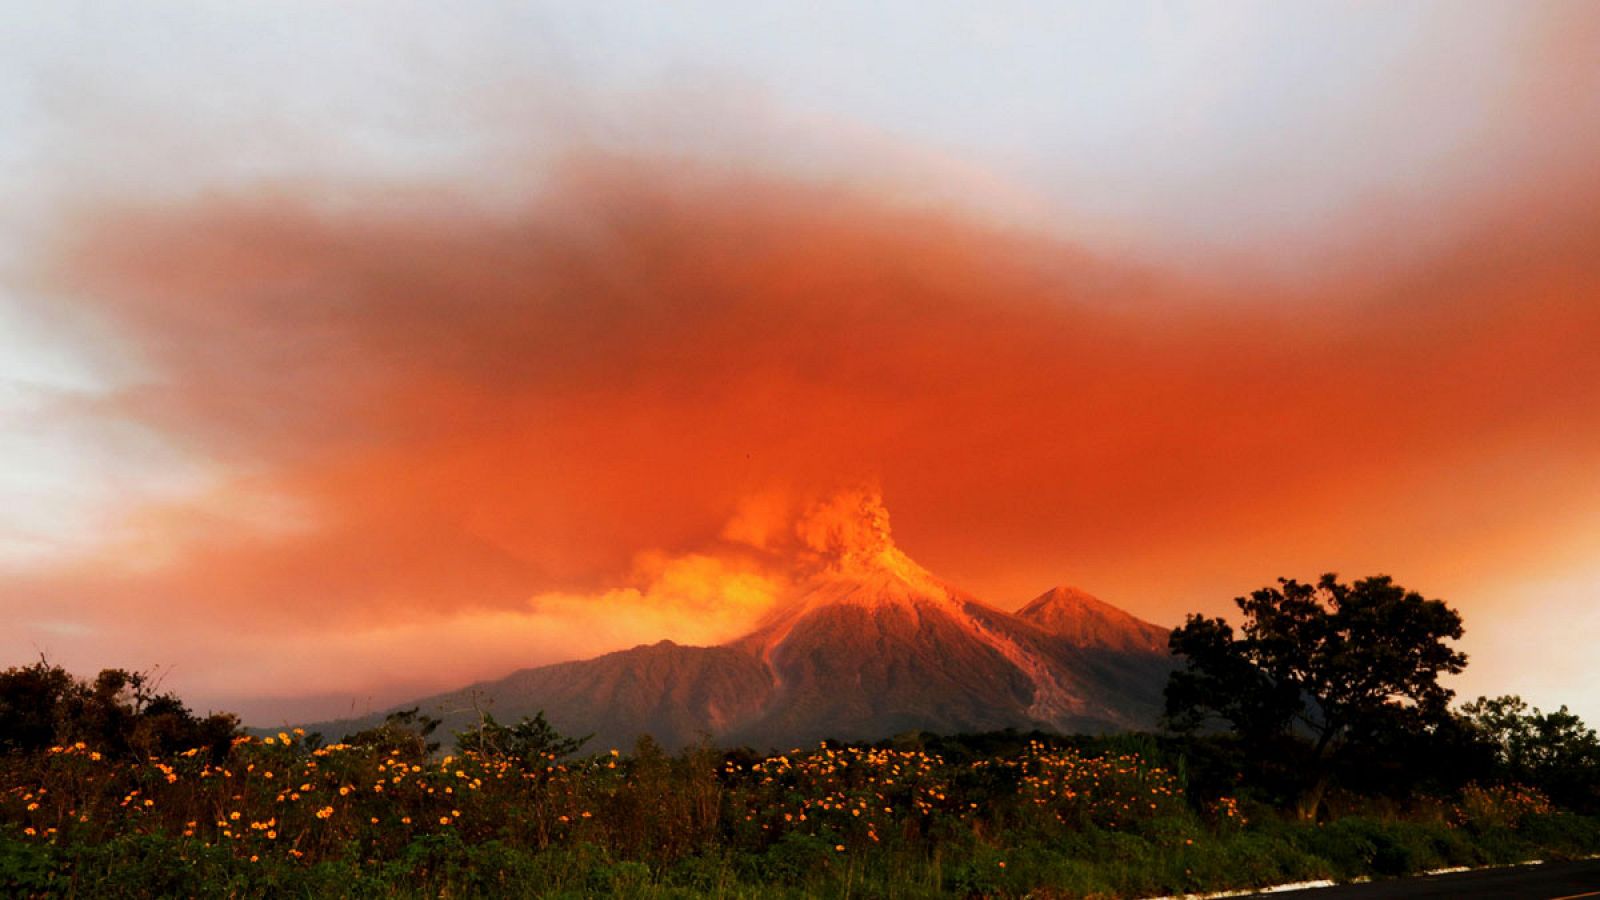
{"x":1547,"y":881}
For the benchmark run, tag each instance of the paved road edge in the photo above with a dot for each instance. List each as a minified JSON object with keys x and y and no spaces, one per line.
{"x":1325,"y":882}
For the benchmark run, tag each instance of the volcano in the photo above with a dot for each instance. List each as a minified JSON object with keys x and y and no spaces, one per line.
{"x":868,"y":645}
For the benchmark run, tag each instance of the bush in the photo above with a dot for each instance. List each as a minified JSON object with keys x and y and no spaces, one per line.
{"x":1504,"y":806}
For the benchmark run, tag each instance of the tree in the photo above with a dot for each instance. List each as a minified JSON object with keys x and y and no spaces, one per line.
{"x":1555,"y":752}
{"x":121,"y":713}
{"x":1319,"y":667}
{"x":29,"y":699}
{"x":530,"y":740}
{"x":404,"y":733}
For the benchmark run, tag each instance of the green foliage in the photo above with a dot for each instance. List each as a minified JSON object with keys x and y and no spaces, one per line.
{"x":1561,"y":834}
{"x":1359,"y":846}
{"x":1080,"y":816}
{"x":26,"y":868}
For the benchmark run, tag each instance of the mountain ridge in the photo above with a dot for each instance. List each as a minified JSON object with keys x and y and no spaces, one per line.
{"x":1087,"y":620}
{"x":868,"y":645}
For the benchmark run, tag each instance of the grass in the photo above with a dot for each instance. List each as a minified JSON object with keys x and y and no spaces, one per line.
{"x":277,"y":817}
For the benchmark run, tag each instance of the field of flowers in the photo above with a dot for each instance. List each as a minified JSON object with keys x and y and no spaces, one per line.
{"x":275,"y":796}
{"x":278,"y":814}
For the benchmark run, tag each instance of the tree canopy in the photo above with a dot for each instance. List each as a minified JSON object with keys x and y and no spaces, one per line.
{"x":1553,"y":751}
{"x":405,"y":733}
{"x":530,"y":740}
{"x":1320,"y":664}
{"x":120,"y":712}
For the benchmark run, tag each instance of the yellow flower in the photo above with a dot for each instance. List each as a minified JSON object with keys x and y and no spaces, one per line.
{"x":283,"y":736}
{"x":444,"y":820}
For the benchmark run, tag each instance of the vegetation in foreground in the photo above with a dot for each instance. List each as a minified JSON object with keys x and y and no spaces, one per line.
{"x":998,"y":814}
{"x":1338,"y":757}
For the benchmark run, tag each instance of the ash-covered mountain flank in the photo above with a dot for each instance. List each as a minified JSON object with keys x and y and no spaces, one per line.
{"x":868,"y":645}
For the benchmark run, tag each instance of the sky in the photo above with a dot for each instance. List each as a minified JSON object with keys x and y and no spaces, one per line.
{"x":350,"y":351}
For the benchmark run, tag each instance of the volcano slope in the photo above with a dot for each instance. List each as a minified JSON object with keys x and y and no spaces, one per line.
{"x":868,"y":645}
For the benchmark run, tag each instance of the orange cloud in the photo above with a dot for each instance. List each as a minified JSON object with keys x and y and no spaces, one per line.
{"x":429,"y":412}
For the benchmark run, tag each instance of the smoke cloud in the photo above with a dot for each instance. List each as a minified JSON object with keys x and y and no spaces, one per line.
{"x":439,"y":437}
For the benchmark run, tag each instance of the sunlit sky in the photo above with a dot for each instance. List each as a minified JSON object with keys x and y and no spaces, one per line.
{"x":353,"y":350}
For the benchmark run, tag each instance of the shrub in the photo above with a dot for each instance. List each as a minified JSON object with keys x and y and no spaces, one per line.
{"x":1505,"y":805}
